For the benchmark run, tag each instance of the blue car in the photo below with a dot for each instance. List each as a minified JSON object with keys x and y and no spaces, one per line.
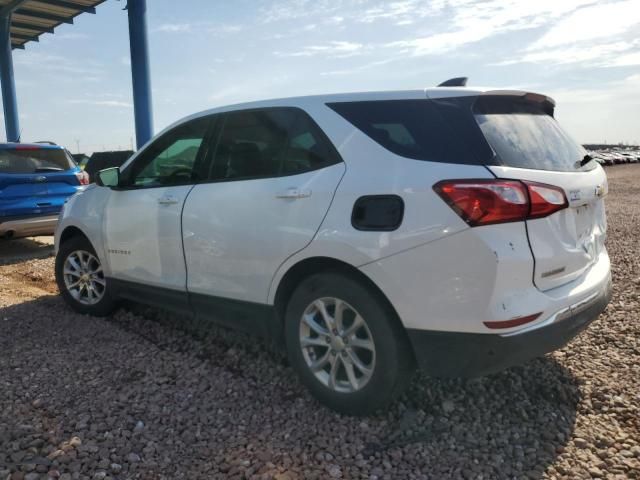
{"x":35,"y":181}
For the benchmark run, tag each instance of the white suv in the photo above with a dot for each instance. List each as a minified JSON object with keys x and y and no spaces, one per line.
{"x":460,"y":230}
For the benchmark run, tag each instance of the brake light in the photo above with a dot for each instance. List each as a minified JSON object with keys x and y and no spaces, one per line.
{"x":487,"y":202}
{"x":83,"y":177}
{"x":27,"y":147}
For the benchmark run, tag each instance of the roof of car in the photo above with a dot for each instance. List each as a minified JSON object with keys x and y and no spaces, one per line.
{"x":432,"y":92}
{"x":416,"y":94}
{"x":18,"y":146}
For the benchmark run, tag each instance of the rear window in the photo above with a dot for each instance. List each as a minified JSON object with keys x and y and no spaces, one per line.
{"x":34,"y":161}
{"x":510,"y":130}
{"x":410,"y":128}
{"x":523,"y":134}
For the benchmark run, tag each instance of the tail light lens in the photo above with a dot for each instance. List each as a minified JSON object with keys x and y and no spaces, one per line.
{"x":545,"y":199}
{"x":486,"y":202}
{"x":83,"y":177}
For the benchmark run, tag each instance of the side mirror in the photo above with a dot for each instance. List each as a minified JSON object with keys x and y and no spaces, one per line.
{"x":109,"y":177}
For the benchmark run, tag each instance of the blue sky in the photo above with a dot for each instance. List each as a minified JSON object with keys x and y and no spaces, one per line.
{"x":76,"y":85}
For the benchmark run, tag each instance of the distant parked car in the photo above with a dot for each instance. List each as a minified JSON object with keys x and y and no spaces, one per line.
{"x":457,"y":229}
{"x":81,"y":159}
{"x":35,"y":181}
{"x":101,"y":160}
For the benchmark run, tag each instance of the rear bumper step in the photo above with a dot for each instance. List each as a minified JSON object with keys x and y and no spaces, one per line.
{"x":449,"y":354}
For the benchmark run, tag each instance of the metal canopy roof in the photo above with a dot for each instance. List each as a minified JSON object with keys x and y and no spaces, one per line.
{"x":32,"y":18}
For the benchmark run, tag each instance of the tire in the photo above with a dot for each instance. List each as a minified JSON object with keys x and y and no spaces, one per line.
{"x":387,"y":367}
{"x":88,"y":272}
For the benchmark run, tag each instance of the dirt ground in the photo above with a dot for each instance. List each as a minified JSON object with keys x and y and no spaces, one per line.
{"x":146,"y":395}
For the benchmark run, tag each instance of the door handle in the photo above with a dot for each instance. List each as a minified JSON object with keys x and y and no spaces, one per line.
{"x":168,"y":200}
{"x":294,"y":193}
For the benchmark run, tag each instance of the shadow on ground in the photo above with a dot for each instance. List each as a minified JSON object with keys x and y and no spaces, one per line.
{"x":16,"y":251}
{"x":204,"y":392}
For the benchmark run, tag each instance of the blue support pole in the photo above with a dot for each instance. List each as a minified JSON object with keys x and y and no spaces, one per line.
{"x":142,"y":107}
{"x":9,"y":102}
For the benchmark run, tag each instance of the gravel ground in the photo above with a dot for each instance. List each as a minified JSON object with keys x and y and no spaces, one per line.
{"x":150,"y":396}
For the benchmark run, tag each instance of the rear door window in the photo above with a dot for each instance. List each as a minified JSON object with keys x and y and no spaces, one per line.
{"x":34,"y":160}
{"x":270,"y":142}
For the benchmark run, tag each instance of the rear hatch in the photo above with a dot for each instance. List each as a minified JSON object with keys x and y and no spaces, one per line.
{"x":35,"y":180}
{"x":529,"y":144}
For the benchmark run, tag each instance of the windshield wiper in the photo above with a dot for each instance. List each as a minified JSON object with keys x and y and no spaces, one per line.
{"x":586,"y":159}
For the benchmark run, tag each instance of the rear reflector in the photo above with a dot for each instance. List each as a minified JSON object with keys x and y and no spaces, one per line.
{"x":486,"y":202}
{"x":514,"y":322}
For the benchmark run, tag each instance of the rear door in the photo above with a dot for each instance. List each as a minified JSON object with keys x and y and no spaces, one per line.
{"x":272,"y":180}
{"x":530,"y":145}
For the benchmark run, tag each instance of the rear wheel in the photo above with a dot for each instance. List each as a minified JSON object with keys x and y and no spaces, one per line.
{"x":81,"y":279}
{"x":345,"y":345}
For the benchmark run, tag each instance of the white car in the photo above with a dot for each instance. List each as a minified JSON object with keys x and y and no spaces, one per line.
{"x":456,"y":229}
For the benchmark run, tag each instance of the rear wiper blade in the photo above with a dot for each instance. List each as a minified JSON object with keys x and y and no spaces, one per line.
{"x":586,"y":159}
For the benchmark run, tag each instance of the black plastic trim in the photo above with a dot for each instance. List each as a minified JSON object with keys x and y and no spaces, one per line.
{"x":452,"y":354}
{"x":253,"y":318}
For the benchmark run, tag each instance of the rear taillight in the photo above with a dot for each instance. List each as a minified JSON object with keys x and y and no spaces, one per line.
{"x":83,"y":177}
{"x":486,"y":202}
{"x":545,"y":199}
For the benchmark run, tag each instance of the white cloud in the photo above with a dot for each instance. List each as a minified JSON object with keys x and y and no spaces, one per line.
{"x":626,"y":60}
{"x":592,"y":22}
{"x":174,"y":27}
{"x":71,"y":36}
{"x":226,"y":29}
{"x":597,"y":54}
{"x":44,"y":62}
{"x":356,"y":69}
{"x":335,"y":49}
{"x":102,"y":103}
{"x":471,"y":22}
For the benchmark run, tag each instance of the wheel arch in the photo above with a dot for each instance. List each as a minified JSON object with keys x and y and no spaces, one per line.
{"x":314,"y":265}
{"x":70,"y":232}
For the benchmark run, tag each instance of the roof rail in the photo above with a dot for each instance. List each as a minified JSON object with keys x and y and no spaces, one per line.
{"x":46,"y":142}
{"x":455,"y":82}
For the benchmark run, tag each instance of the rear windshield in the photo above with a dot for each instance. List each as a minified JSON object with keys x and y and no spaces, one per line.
{"x":524,"y":135}
{"x":509,"y":130}
{"x":34,"y":161}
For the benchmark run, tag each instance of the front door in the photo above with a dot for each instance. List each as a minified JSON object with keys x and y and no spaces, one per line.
{"x":142,"y":222}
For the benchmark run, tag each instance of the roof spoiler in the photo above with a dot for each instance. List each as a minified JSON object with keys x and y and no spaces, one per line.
{"x":455,"y":82}
{"x":548,"y":104}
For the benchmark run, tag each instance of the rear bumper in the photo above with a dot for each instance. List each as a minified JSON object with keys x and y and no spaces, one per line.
{"x":15,"y":227}
{"x":450,"y":354}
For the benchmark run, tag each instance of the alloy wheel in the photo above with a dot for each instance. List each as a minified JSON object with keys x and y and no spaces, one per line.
{"x":337,"y":345}
{"x":83,"y":277}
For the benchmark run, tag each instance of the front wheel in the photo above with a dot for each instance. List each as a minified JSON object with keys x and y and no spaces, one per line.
{"x":81,"y":280}
{"x":345,"y":345}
